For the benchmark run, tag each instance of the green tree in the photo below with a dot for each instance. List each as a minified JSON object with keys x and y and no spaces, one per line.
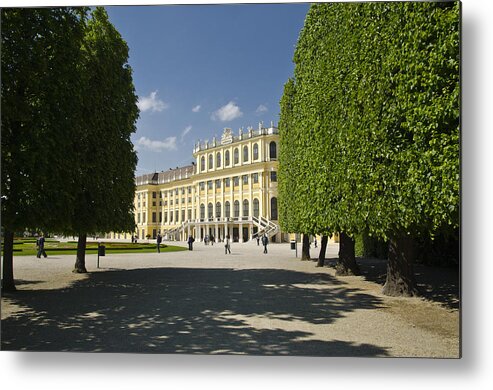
{"x":104,"y":184}
{"x":377,"y":92}
{"x":40,"y":52}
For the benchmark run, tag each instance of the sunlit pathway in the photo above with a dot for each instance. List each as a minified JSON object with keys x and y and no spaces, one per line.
{"x":204,"y":301}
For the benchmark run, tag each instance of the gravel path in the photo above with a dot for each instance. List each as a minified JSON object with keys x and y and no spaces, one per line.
{"x":207,"y":302}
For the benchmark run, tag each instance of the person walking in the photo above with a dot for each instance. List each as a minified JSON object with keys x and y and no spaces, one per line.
{"x":41,"y":247}
{"x":190,"y":243}
{"x":315,"y":242}
{"x":212,"y":240}
{"x":227,"y":246}
{"x":258,"y":240}
{"x":265,"y":242}
{"x":159,"y":240}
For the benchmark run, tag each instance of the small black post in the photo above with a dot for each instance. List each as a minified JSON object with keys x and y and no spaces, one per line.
{"x":98,"y":253}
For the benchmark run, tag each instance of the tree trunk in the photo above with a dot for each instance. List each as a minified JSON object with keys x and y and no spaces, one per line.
{"x":400,"y":274}
{"x":80,"y":261}
{"x":346,"y":264}
{"x":8,"y":283}
{"x":323,"y":248}
{"x":305,"y":250}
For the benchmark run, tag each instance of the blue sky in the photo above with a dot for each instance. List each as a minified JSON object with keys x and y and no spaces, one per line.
{"x":200,"y":68}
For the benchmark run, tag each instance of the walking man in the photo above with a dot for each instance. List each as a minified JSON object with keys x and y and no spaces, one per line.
{"x":159,"y":240}
{"x":41,"y":247}
{"x":227,"y":247}
{"x":265,"y":241}
{"x":315,"y":242}
{"x":190,"y":243}
{"x":258,"y":240}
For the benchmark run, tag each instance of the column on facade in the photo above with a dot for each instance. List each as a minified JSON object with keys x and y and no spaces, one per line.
{"x":223,"y":208}
{"x":261,"y":193}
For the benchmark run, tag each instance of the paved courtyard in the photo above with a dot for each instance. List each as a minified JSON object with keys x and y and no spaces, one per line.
{"x":204,"y":301}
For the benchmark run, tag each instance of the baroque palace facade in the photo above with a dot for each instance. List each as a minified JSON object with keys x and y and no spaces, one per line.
{"x":230,"y":189}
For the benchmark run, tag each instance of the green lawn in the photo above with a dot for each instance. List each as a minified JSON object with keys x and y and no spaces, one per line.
{"x":27,"y":247}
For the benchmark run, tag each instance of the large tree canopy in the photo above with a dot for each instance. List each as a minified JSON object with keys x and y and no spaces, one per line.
{"x":40,"y":55}
{"x":104,"y":184}
{"x":68,"y":110}
{"x":371,"y":131}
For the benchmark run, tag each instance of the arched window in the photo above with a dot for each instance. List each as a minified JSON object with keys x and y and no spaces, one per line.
{"x":255,"y":151}
{"x":272,"y":150}
{"x":218,"y":210}
{"x":236,"y":209}
{"x":236,"y":156}
{"x":245,"y":208}
{"x":226,"y":158}
{"x":211,"y":161}
{"x":273,"y":208}
{"x":245,"y":153}
{"x":218,"y":160}
{"x":202,"y":163}
{"x":202,"y":211}
{"x":256,"y":210}
{"x":227,"y":210}
{"x":210,"y":211}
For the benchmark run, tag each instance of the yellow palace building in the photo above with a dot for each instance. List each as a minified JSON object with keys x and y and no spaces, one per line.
{"x":230,"y":189}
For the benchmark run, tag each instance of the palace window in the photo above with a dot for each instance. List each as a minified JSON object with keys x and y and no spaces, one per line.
{"x":209,"y":184}
{"x":218,"y":210}
{"x":273,"y":208}
{"x":218,"y":183}
{"x":211,"y":161}
{"x":202,"y":211}
{"x":154,"y":195}
{"x":256,"y":210}
{"x":255,"y":151}
{"x":218,"y":160}
{"x":236,"y":209}
{"x":273,"y":150}
{"x":236,"y":156}
{"x":226,"y":158}
{"x":245,"y":208}
{"x":255,"y":177}
{"x":273,"y":176}
{"x":245,"y":153}
{"x":202,"y":164}
{"x":210,"y":211}
{"x":227,"y":210}
{"x":227,"y":182}
{"x":245,"y":179}
{"x":236,"y":181}
{"x":154,"y":217}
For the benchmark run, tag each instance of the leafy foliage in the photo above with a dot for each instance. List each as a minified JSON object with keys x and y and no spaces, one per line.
{"x":105,"y":159}
{"x":370,"y":124}
{"x":40,"y":53}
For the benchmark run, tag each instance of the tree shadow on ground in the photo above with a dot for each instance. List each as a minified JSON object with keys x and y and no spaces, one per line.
{"x":183,"y":310}
{"x":436,"y":284}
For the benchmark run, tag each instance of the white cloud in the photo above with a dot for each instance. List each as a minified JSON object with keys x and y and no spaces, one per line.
{"x":157,"y":146}
{"x":261,"y":109}
{"x":196,"y":108}
{"x":227,"y":113}
{"x":151,"y":103}
{"x":185,"y":132}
